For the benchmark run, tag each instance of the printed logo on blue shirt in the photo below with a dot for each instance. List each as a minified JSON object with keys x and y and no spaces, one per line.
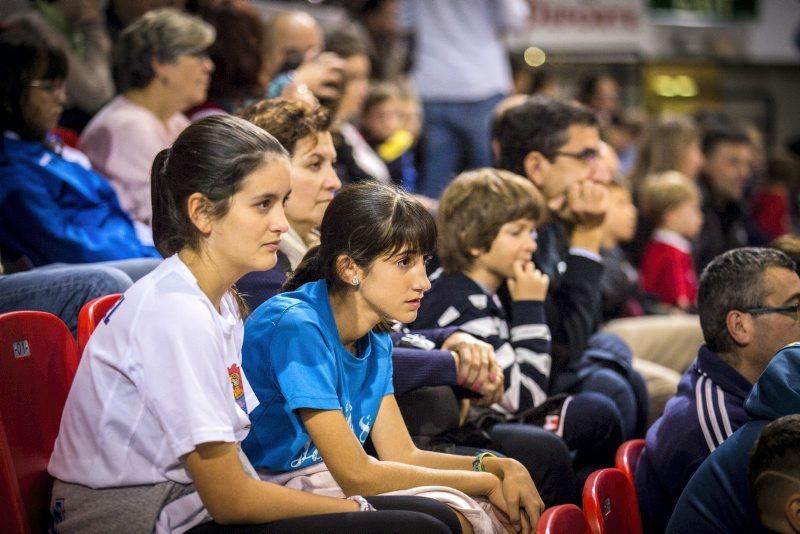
{"x":309,"y":455}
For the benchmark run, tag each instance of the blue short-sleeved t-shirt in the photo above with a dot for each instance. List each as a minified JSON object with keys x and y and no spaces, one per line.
{"x":294,"y":359}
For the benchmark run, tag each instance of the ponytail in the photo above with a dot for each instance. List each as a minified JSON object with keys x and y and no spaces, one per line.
{"x":165,"y":222}
{"x":309,"y":270}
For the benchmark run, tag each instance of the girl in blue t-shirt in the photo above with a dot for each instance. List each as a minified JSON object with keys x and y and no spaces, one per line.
{"x":319,"y":360}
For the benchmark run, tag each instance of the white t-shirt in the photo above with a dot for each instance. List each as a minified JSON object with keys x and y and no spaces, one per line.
{"x":161,"y":375}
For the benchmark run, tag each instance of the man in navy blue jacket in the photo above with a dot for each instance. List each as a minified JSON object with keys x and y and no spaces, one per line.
{"x":747,"y":305}
{"x":718,"y":498}
{"x":556,"y":145}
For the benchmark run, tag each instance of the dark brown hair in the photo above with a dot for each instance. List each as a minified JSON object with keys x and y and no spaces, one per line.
{"x":365,"y":221}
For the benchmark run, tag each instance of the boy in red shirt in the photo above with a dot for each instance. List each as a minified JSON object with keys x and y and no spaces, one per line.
{"x":672,"y":203}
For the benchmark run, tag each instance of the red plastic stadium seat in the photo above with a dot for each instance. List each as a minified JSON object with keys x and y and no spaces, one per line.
{"x":37,"y":365}
{"x":628,"y":456}
{"x":609,"y":503}
{"x":563,"y":519}
{"x":90,"y":316}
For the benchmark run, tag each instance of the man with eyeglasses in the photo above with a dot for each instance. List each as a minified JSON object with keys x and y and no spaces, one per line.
{"x":748,"y":305}
{"x":719,"y":498}
{"x":556,"y":145}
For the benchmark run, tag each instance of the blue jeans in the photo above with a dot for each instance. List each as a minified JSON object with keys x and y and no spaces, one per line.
{"x":60,"y":289}
{"x":455,"y":136}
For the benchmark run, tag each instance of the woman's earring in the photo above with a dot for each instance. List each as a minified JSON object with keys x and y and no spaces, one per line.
{"x":355,"y":281}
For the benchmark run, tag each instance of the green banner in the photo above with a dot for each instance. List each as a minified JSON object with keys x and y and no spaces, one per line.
{"x":719,"y":10}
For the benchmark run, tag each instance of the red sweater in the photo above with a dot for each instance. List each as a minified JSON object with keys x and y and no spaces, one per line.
{"x":668,"y":269}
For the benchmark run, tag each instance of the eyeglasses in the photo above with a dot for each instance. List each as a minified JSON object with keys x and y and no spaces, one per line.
{"x":49,"y":85}
{"x":794,"y":308}
{"x":587,"y":155}
{"x":199,"y":53}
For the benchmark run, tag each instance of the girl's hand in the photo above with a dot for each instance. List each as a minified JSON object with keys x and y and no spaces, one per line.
{"x":522,"y":499}
{"x":528,"y":283}
{"x":476,"y":365}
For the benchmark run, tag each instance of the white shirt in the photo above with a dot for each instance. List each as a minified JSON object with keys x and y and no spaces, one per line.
{"x":155,"y":381}
{"x":460,"y":54}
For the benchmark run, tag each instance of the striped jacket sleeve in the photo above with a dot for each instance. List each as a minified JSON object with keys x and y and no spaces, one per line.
{"x":521,"y":346}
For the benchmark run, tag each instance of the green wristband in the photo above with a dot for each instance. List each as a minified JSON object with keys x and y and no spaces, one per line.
{"x":477,"y":463}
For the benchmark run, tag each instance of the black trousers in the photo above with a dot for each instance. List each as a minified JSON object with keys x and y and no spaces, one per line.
{"x":419,"y":515}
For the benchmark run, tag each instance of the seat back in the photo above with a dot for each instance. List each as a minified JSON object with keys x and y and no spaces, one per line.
{"x":37,"y":364}
{"x":562,"y":519}
{"x":609,"y":503}
{"x":90,"y":316}
{"x":628,"y":456}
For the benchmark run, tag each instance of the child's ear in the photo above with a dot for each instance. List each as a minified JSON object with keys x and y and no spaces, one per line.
{"x":475,"y":252}
{"x":535,"y":164}
{"x":348,"y":270}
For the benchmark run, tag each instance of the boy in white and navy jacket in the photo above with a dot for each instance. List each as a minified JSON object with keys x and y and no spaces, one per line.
{"x":486,"y":222}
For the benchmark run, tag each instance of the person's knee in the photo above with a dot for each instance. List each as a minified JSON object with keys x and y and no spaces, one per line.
{"x":597,"y":416}
{"x":609,"y":383}
{"x":519,"y":440}
{"x":110,"y":280}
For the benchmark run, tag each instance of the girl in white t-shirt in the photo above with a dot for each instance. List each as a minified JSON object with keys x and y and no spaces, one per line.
{"x":150,"y":433}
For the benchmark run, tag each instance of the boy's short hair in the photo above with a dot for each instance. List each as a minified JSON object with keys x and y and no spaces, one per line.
{"x":379,"y":93}
{"x":774,"y":471}
{"x":474,"y":207}
{"x":664,"y":192}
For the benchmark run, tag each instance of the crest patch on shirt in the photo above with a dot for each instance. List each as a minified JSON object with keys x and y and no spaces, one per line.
{"x":235,"y":376}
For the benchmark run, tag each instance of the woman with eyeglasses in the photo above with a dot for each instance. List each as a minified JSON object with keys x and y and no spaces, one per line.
{"x":161,"y":68}
{"x":53,"y":206}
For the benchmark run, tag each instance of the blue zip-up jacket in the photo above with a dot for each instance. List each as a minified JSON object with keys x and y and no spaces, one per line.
{"x":707,"y":409}
{"x":718,"y":498}
{"x":54,"y":210}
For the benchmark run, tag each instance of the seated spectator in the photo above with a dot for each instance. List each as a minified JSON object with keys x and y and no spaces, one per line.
{"x":356,"y":160}
{"x":771,"y":202}
{"x":294,"y":61}
{"x":726,"y":172}
{"x":53,"y":207}
{"x":671,"y":202}
{"x":487,"y":225}
{"x":600,"y":93}
{"x":718,"y":497}
{"x":303,"y":131}
{"x":77,"y":29}
{"x":622,"y":296}
{"x":670,"y":144}
{"x":740,"y":298}
{"x":161,"y":68}
{"x":556,"y":146}
{"x":775,"y":475}
{"x":237,"y":55}
{"x":159,"y":404}
{"x":320,"y":364}
{"x":381,"y":125}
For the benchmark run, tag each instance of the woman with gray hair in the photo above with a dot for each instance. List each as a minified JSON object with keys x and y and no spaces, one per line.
{"x":161,"y":68}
